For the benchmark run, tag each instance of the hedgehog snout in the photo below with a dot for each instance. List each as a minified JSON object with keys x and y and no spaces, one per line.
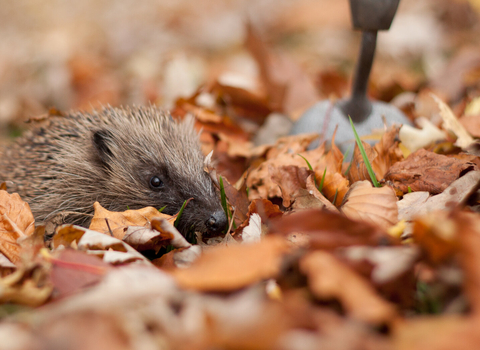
{"x":217,"y":222}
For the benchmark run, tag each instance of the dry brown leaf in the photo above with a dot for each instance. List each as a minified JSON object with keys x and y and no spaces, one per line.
{"x":119,"y":221}
{"x":414,"y":139}
{"x":96,"y":243}
{"x":73,"y":271}
{"x":427,"y":171}
{"x":234,"y":267}
{"x":289,"y":89}
{"x":438,"y":332}
{"x":312,"y":188}
{"x":166,"y":228}
{"x":237,"y":147}
{"x":334,"y":186}
{"x":323,"y":229}
{"x":388,"y":152}
{"x":420,"y":203}
{"x":377,"y":205}
{"x":320,"y":159}
{"x":436,"y":234}
{"x":6,"y":266}
{"x":411,"y":205}
{"x":388,"y":262}
{"x":358,"y":170}
{"x":472,"y":124}
{"x":264,"y":208}
{"x":252,"y":233}
{"x":249,"y":104}
{"x":16,"y":221}
{"x":464,"y":139}
{"x":238,"y":199}
{"x":328,"y":279}
{"x":290,"y":179}
{"x":25,"y":286}
{"x":468,"y":231}
{"x":284,"y":152}
{"x":158,"y":234}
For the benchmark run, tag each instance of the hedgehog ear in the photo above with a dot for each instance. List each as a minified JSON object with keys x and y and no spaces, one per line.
{"x":101,"y":141}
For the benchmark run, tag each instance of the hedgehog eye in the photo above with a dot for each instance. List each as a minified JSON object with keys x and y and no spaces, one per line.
{"x":156,"y":182}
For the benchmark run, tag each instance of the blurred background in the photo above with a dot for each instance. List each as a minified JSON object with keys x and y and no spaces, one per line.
{"x":82,"y":54}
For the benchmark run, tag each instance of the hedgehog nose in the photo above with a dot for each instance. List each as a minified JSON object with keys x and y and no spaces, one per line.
{"x":217,"y":222}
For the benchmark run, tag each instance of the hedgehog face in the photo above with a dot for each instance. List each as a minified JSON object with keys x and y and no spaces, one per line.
{"x":164,"y":168}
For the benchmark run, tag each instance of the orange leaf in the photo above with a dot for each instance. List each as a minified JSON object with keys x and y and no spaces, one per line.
{"x":377,"y":205}
{"x":16,"y":221}
{"x":234,"y":267}
{"x":119,"y":221}
{"x":328,"y":278}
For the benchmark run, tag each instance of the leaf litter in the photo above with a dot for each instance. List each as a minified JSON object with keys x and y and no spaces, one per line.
{"x":341,"y":266}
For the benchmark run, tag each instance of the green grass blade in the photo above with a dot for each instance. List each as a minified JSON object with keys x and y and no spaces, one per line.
{"x":348,"y":169}
{"x":308,"y":163}
{"x":364,"y":156}
{"x":162,"y":209}
{"x":177,"y":220}
{"x":310,"y":167}
{"x":320,"y":187}
{"x":335,"y":197}
{"x":345,"y":156}
{"x":223,"y":199}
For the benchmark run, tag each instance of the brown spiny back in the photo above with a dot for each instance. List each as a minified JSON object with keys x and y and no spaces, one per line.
{"x":65,"y":164}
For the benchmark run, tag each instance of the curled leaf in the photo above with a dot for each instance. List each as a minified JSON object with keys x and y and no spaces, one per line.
{"x":377,"y":205}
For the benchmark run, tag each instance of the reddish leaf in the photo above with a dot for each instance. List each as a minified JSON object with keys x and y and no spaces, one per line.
{"x":427,"y":171}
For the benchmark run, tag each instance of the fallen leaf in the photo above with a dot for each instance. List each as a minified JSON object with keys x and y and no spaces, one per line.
{"x":388,"y":152}
{"x":414,"y":138}
{"x":144,"y":238}
{"x":26,"y":286}
{"x":358,"y":169}
{"x":291,"y":180}
{"x":166,"y":228}
{"x":468,"y":232}
{"x":16,"y":221}
{"x":234,"y":267}
{"x":313,"y":190}
{"x":324,"y":229}
{"x":249,"y":104}
{"x":252,"y":233}
{"x":238,"y":199}
{"x":94,"y":242}
{"x":411,"y":204}
{"x":377,"y":205}
{"x":427,"y":171}
{"x":72,"y":271}
{"x":116,"y":223}
{"x":185,"y":257}
{"x":328,"y":279}
{"x":264,"y":208}
{"x":388,"y":262}
{"x":283,"y":153}
{"x":464,"y":139}
{"x":335,"y":186}
{"x":288,"y":88}
{"x":159,"y":233}
{"x":436,"y":234}
{"x":420,"y":203}
{"x":437,"y":332}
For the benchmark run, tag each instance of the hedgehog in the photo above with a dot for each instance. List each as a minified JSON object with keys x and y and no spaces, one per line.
{"x":124,"y":158}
